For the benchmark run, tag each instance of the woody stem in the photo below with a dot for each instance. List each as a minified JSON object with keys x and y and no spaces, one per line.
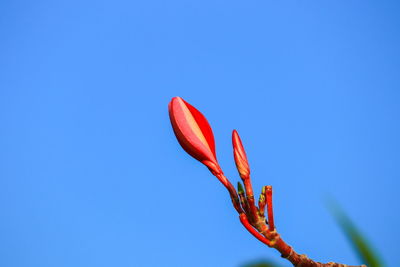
{"x":273,"y":239}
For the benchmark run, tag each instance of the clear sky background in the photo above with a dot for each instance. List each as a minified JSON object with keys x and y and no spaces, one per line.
{"x":92,"y":175}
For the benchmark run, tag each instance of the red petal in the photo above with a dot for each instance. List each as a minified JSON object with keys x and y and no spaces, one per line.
{"x":204,"y":126}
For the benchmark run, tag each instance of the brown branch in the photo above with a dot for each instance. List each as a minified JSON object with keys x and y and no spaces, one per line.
{"x":302,"y":260}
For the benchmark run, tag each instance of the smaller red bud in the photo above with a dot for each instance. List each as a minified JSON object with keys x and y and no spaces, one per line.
{"x":239,"y":154}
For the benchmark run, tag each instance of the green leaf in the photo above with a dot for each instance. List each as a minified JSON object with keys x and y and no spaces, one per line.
{"x":262,"y":263}
{"x":361,"y":246}
{"x":240,"y":188}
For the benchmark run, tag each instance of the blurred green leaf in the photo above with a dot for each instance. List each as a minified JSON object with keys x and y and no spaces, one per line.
{"x":361,"y":246}
{"x":262,"y":263}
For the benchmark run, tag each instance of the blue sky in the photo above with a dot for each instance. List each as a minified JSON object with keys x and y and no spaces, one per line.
{"x":92,"y":175}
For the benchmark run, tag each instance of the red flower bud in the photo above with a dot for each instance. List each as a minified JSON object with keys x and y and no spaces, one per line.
{"x":239,"y":154}
{"x":194,"y":133}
